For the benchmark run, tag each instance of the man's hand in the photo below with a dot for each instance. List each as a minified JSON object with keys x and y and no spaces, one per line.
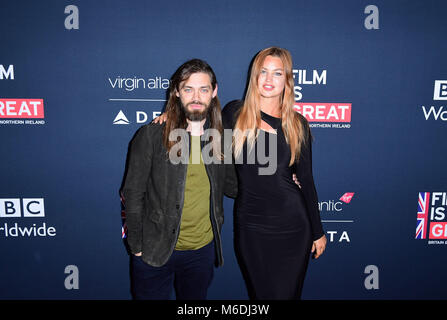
{"x":319,"y":246}
{"x":161,"y":118}
{"x":138,"y":254}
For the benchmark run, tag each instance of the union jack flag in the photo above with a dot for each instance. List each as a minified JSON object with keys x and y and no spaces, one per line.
{"x":422,"y":216}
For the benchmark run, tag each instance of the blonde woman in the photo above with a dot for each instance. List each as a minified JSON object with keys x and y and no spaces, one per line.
{"x":277,"y":222}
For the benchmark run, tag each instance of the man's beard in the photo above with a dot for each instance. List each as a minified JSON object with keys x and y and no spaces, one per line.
{"x":196,"y":115}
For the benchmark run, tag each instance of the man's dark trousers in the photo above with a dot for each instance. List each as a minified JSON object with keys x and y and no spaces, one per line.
{"x":189,"y":271}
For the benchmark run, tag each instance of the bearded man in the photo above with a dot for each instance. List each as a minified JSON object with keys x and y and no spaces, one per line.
{"x":174,"y":209}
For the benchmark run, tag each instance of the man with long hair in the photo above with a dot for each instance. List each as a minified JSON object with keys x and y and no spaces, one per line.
{"x":174,"y":211}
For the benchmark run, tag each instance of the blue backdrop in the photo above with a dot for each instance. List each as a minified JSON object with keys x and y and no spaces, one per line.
{"x":78,"y":78}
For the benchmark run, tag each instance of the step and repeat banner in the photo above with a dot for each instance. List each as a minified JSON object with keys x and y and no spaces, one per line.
{"x":78,"y":78}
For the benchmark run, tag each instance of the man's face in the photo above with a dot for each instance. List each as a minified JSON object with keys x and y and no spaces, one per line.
{"x":196,"y":94}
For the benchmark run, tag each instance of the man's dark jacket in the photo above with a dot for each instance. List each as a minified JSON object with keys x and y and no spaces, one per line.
{"x":154,"y":192}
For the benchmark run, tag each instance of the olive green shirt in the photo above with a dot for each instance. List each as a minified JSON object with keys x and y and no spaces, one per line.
{"x":195,"y":225}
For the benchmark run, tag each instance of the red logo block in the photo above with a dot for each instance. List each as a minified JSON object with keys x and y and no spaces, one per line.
{"x":347,"y":197}
{"x":324,"y":112}
{"x":438,"y":230}
{"x":21,"y":109}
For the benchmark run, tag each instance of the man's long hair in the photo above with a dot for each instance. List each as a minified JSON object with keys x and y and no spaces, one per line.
{"x":249,"y":118}
{"x":175,"y":113}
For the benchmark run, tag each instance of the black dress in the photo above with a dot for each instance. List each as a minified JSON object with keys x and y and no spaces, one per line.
{"x":275,"y":221}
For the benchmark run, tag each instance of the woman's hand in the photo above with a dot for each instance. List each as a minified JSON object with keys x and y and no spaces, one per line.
{"x":318,"y":246}
{"x":296,"y":180}
{"x":160,"y":119}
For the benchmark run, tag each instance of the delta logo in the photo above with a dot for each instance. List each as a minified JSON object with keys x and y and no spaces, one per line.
{"x":431,"y":218}
{"x":141,"y":117}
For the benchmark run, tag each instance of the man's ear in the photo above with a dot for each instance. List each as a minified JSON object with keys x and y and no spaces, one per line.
{"x":215,"y":92}
{"x":177,"y":93}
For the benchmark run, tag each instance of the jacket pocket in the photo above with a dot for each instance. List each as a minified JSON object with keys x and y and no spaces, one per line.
{"x":155,"y":216}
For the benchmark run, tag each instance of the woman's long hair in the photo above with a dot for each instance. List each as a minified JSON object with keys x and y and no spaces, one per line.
{"x":249,"y":119}
{"x":175,"y":114}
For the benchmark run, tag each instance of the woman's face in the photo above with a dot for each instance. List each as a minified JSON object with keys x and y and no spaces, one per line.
{"x":272,"y":78}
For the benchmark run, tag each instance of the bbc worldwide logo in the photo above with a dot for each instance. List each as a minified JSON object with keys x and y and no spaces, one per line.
{"x":14,"y":209}
{"x":431,"y":217}
{"x":440,"y":90}
{"x":437,"y":112}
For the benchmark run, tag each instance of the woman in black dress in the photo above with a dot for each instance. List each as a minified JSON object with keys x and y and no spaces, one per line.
{"x":277,"y":222}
